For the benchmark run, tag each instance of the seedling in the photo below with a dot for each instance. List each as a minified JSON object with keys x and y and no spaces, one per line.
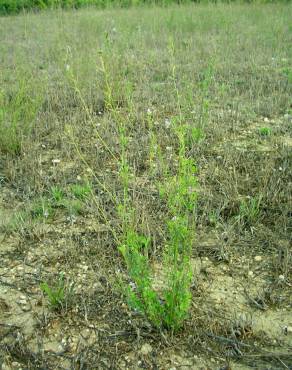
{"x":56,"y":294}
{"x":264,"y":131}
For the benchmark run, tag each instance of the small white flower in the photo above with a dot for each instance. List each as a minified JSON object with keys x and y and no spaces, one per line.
{"x":149,"y":111}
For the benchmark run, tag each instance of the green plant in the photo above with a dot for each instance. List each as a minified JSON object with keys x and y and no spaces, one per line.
{"x":17,"y":114}
{"x":249,"y":210}
{"x":264,"y":131}
{"x":81,"y":191}
{"x":41,"y":208}
{"x":15,"y":223}
{"x":169,"y":307}
{"x":56,"y":294}
{"x":57,"y":195}
{"x":74,"y":207}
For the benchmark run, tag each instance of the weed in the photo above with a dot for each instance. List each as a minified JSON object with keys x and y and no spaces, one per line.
{"x":249,"y":210}
{"x":41,"y":208}
{"x":57,"y":195}
{"x":74,"y":207}
{"x":16,"y":222}
{"x":264,"y":131}
{"x":57,"y":294}
{"x":81,"y":191}
{"x":17,"y":114}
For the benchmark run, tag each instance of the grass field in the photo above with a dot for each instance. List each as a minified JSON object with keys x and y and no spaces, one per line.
{"x":146,"y":188}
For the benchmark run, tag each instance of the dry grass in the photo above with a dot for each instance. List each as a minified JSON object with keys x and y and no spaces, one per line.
{"x":225,"y":71}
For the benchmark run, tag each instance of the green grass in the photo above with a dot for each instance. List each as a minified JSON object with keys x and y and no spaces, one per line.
{"x":265,"y":131}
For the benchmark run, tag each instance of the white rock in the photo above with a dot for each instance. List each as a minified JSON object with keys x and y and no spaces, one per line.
{"x":258,"y":258}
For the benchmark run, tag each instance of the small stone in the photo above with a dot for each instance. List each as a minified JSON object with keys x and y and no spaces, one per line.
{"x":146,"y":349}
{"x":258,"y":258}
{"x":266,"y":119}
{"x":281,"y":277}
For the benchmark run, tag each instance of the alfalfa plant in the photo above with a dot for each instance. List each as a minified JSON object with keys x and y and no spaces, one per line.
{"x":169,"y":307}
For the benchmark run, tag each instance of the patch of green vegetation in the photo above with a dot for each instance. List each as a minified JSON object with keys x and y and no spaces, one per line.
{"x":249,"y":210}
{"x":265,"y":131}
{"x":288,"y":73}
{"x":74,"y":207}
{"x":18,"y":110}
{"x":56,"y":294}
{"x":81,"y":191}
{"x":16,"y":222}
{"x":168,"y":308}
{"x":41,"y":208}
{"x":15,"y":6}
{"x":58,"y":195}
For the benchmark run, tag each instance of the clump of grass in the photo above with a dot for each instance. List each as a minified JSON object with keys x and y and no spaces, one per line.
{"x":57,"y":194}
{"x":81,"y":191}
{"x":56,"y":294}
{"x":16,"y":222}
{"x":18,"y":111}
{"x":265,"y":131}
{"x":63,"y":199}
{"x":41,"y":208}
{"x":249,"y":210}
{"x":74,"y":207}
